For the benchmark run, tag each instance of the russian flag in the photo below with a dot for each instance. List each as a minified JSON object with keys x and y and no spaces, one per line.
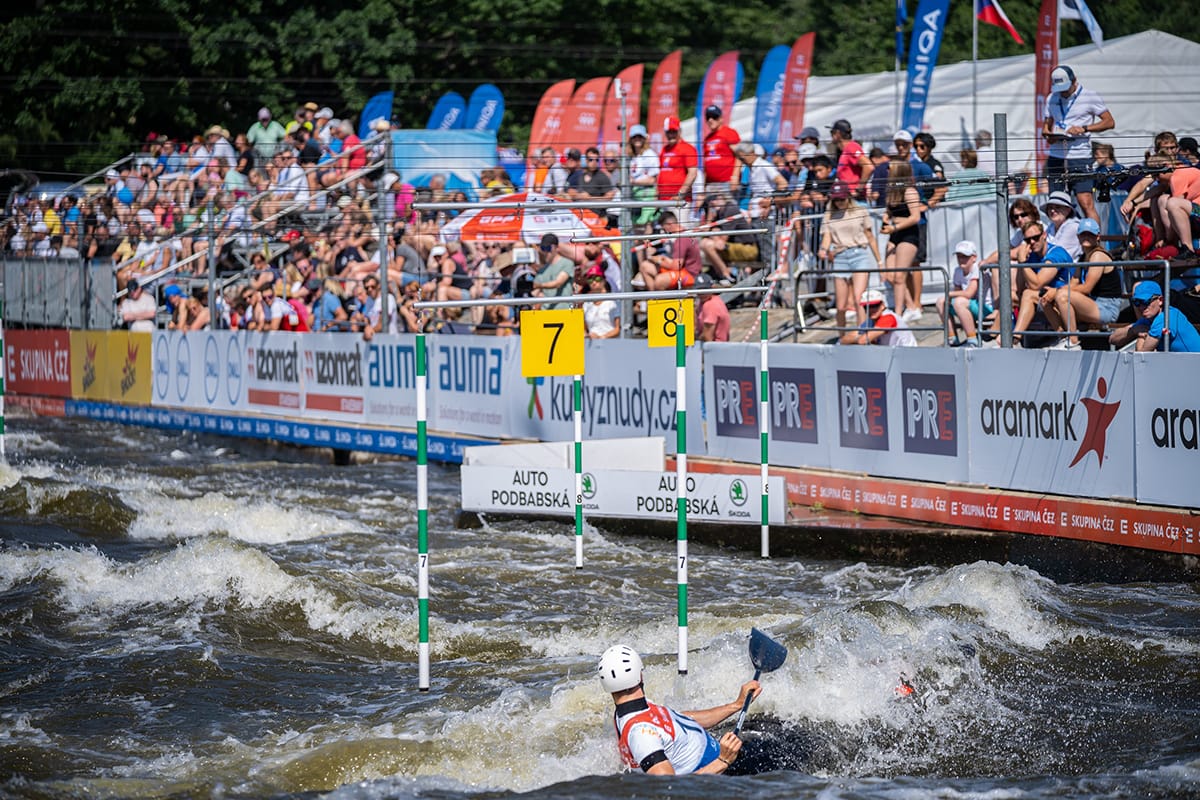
{"x":991,"y":13}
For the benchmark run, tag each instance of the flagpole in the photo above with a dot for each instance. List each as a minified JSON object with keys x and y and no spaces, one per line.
{"x":974,"y":67}
{"x":896,"y":83}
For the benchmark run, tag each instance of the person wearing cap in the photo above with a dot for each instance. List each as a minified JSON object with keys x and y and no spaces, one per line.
{"x":602,"y":317}
{"x":848,"y":241}
{"x":1064,"y":225}
{"x":657,"y":739}
{"x":265,"y":135}
{"x":219,"y":147}
{"x":138,"y":308}
{"x":1153,"y":326}
{"x":720,"y":164}
{"x":1096,"y":300}
{"x":555,"y":279}
{"x":1072,"y":115}
{"x":965,"y":293}
{"x":809,"y":135}
{"x":880,"y":324}
{"x":853,"y":165}
{"x":765,"y":185}
{"x":678,"y":164}
{"x":643,"y":172}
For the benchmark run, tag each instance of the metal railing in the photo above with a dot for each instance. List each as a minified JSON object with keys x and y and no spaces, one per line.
{"x":57,"y":293}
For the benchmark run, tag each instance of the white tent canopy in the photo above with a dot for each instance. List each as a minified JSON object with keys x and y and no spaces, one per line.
{"x":1143,"y":78}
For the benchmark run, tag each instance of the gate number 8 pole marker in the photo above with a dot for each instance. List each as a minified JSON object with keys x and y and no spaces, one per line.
{"x":663,"y":316}
{"x":552,"y":342}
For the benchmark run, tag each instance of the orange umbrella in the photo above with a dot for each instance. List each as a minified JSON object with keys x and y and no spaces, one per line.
{"x":524,"y":224}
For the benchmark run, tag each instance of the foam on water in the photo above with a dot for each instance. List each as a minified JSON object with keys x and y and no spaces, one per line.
{"x":204,"y":571}
{"x":162,"y":516}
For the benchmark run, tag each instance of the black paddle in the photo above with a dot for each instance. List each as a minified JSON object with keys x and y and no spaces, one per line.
{"x":767,"y":655}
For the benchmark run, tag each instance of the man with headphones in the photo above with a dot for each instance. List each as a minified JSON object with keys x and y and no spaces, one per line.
{"x":1073,"y":114}
{"x":657,"y":739}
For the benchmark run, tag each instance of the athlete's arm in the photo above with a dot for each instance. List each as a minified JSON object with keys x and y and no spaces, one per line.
{"x":718,"y":714}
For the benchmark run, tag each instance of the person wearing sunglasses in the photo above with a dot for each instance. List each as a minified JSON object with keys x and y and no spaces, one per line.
{"x":1153,"y":326}
{"x":1045,"y":269}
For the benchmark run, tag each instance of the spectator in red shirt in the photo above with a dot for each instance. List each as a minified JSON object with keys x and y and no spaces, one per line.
{"x":721,"y":168}
{"x":712,"y":315}
{"x":678,"y":165}
{"x":676,"y":264}
{"x":854,"y":166}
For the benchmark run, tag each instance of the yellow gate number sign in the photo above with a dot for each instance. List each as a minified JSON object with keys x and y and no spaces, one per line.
{"x":552,"y":342}
{"x":662,"y":316}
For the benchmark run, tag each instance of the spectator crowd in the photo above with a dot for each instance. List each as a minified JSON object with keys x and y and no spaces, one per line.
{"x":290,"y":217}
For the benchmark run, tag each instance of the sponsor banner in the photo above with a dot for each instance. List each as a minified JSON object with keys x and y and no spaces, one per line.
{"x":449,"y":113}
{"x":1045,"y":59}
{"x":1167,"y":406}
{"x":988,"y":509}
{"x":581,"y":121}
{"x":447,"y":449}
{"x":391,"y":379}
{"x":768,"y":108}
{"x":547,"y":128}
{"x":928,"y":27}
{"x":38,"y":362}
{"x":485,"y":111}
{"x":475,"y":384}
{"x":190,"y":370}
{"x":130,"y":371}
{"x":799,"y":67}
{"x":334,"y":375}
{"x":1058,"y":422}
{"x":89,"y":365}
{"x":626,"y":494}
{"x":630,"y":79}
{"x":42,"y":406}
{"x":272,"y":372}
{"x":628,"y":392}
{"x":664,"y":98}
{"x":798,"y":404}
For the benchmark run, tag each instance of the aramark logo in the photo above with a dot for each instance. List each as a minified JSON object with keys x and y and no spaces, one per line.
{"x":1053,"y":420}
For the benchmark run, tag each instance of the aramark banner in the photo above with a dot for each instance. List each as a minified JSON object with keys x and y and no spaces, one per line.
{"x":1167,"y":430}
{"x":1052,"y":422}
{"x":884,"y":411}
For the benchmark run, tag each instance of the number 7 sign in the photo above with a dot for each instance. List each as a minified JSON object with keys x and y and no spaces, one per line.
{"x":552,"y":342}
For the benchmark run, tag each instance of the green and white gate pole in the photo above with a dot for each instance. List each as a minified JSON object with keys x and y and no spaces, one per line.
{"x":577,"y":392}
{"x":681,"y":486}
{"x":422,"y":521}
{"x":764,"y":428}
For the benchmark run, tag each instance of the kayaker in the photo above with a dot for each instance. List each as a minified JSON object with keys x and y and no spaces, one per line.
{"x":658,"y":739}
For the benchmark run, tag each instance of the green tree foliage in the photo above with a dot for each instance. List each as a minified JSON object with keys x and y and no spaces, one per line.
{"x":83,"y":81}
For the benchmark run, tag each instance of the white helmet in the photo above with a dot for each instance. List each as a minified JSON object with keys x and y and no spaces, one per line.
{"x":620,"y":668}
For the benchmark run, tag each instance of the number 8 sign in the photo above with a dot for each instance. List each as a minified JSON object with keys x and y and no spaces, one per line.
{"x":552,"y":342}
{"x":662,"y":317}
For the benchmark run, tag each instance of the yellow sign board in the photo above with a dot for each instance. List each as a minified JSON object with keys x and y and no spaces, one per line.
{"x":129,"y":367}
{"x":89,"y":365}
{"x":552,"y":342}
{"x":663,"y":316}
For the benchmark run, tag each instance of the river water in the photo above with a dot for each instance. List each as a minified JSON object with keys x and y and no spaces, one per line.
{"x":184,"y":617}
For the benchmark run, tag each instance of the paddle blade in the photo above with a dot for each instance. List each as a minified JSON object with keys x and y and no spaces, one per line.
{"x":766,"y":654}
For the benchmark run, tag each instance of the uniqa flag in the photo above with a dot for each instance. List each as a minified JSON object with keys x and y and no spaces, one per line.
{"x":928,"y":26}
{"x":447,"y":115}
{"x":378,"y":107}
{"x":989,"y":11}
{"x":1078,"y":9}
{"x":485,"y":110}
{"x":768,"y":111}
{"x":901,"y":18}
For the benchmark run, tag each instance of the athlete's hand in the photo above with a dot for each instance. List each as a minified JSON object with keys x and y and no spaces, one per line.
{"x":749,"y":689}
{"x":731,"y":745}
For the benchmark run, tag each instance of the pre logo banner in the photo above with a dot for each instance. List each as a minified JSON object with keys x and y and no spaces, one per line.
{"x":1062,"y":424}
